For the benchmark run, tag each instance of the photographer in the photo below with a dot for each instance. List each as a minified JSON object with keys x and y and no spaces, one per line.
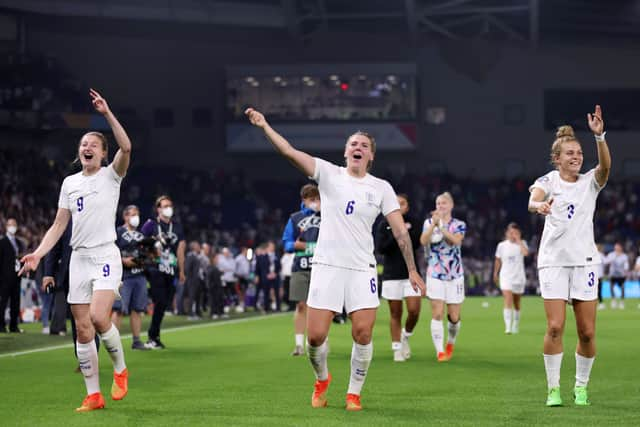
{"x":133,"y":292}
{"x":171,"y":247}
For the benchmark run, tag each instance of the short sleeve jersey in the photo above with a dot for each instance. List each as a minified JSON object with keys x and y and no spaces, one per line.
{"x":567,"y":238}
{"x":349,"y":208}
{"x":445,"y":259}
{"x":92,"y":201}
{"x":512,"y":262}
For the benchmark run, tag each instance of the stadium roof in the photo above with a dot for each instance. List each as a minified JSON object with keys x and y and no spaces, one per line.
{"x":527,"y":21}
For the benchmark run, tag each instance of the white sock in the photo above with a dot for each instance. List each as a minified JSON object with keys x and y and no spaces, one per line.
{"x":506,"y":314}
{"x":516,"y":318}
{"x":299,"y":340}
{"x":361,"y":356}
{"x":406,"y":334}
{"x":454,"y":328}
{"x":88,"y":362}
{"x":113,"y":344}
{"x":318,"y":359}
{"x":583,"y":369}
{"x":437,"y":335}
{"x":396,"y":346}
{"x":552,"y":363}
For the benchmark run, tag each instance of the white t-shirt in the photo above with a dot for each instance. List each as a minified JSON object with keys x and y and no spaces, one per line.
{"x":567,"y":239}
{"x":349,"y":208}
{"x":512,"y":267}
{"x":93,"y":201}
{"x":618,"y":264}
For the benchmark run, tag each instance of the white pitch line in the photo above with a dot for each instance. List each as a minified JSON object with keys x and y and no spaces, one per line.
{"x":164,"y":331}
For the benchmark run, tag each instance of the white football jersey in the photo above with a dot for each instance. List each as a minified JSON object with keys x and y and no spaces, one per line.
{"x":93,"y":201}
{"x":618,"y":264}
{"x":349,"y":208}
{"x":567,"y":239}
{"x":512,"y":267}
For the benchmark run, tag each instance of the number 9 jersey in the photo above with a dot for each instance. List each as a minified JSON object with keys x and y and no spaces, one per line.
{"x":349,"y":208}
{"x":92,"y":201}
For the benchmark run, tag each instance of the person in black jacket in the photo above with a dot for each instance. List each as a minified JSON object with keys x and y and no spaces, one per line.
{"x":213,"y":282}
{"x":56,"y":281}
{"x":395,"y":281}
{"x":268,"y":276}
{"x":11,"y":249}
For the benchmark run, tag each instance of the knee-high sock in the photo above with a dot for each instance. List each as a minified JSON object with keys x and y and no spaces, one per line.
{"x":318,"y":358}
{"x":552,"y":364}
{"x":361,"y":356}
{"x":437,"y":335}
{"x":454,"y":328}
{"x":583,"y":370}
{"x":507,"y":316}
{"x":113,"y":344}
{"x":88,"y":362}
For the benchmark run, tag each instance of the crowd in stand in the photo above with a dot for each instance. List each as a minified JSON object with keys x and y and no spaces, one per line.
{"x":229,"y":210}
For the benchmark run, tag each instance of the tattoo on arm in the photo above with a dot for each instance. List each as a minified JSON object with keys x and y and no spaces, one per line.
{"x":406,"y":248}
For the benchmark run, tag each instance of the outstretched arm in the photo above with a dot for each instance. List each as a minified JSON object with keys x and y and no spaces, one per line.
{"x":406,"y":248}
{"x":123,"y":155}
{"x":52,"y":236}
{"x":596,"y":124}
{"x":300,"y":159}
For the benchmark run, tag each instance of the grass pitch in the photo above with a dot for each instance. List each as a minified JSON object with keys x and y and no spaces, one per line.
{"x":240,"y":373}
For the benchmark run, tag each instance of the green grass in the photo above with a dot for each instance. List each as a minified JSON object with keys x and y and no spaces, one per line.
{"x":241,"y":374}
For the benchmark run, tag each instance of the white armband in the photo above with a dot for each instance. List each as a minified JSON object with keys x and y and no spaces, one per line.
{"x":600,"y":138}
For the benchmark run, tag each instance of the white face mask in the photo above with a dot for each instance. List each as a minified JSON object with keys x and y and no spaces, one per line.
{"x":134,"y":221}
{"x":167,"y":212}
{"x":12,"y":229}
{"x":313,"y":206}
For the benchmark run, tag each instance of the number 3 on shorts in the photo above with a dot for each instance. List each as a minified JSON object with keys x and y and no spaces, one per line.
{"x":372,"y":283}
{"x":106,"y":270}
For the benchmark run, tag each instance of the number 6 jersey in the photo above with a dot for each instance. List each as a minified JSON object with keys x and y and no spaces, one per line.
{"x":567,"y":239}
{"x":92,"y":201}
{"x":349,"y":207}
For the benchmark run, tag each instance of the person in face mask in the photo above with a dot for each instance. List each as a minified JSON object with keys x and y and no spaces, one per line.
{"x":133,"y":292}
{"x":11,"y":249}
{"x":300,"y":237}
{"x":171,"y":246}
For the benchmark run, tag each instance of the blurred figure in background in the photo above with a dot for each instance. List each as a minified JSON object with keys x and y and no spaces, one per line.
{"x":618,"y":263}
{"x":243,"y":275}
{"x":11,"y":250}
{"x":193,"y":274}
{"x":268,"y":276}
{"x":300,"y":237}
{"x":509,"y":275}
{"x":133,"y":292}
{"x":213,"y":281}
{"x":227,"y":266}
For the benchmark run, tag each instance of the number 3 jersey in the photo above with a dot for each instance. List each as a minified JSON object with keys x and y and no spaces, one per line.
{"x":349,"y":207}
{"x":567,"y":239}
{"x":92,"y":201}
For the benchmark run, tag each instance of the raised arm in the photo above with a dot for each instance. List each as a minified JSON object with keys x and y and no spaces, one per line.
{"x":401,"y":234}
{"x":123,"y":155}
{"x":300,"y":159}
{"x":596,"y":124}
{"x":52,"y":236}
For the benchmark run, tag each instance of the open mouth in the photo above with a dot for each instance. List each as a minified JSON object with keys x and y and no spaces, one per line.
{"x":357,"y":156}
{"x":88,"y":156}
